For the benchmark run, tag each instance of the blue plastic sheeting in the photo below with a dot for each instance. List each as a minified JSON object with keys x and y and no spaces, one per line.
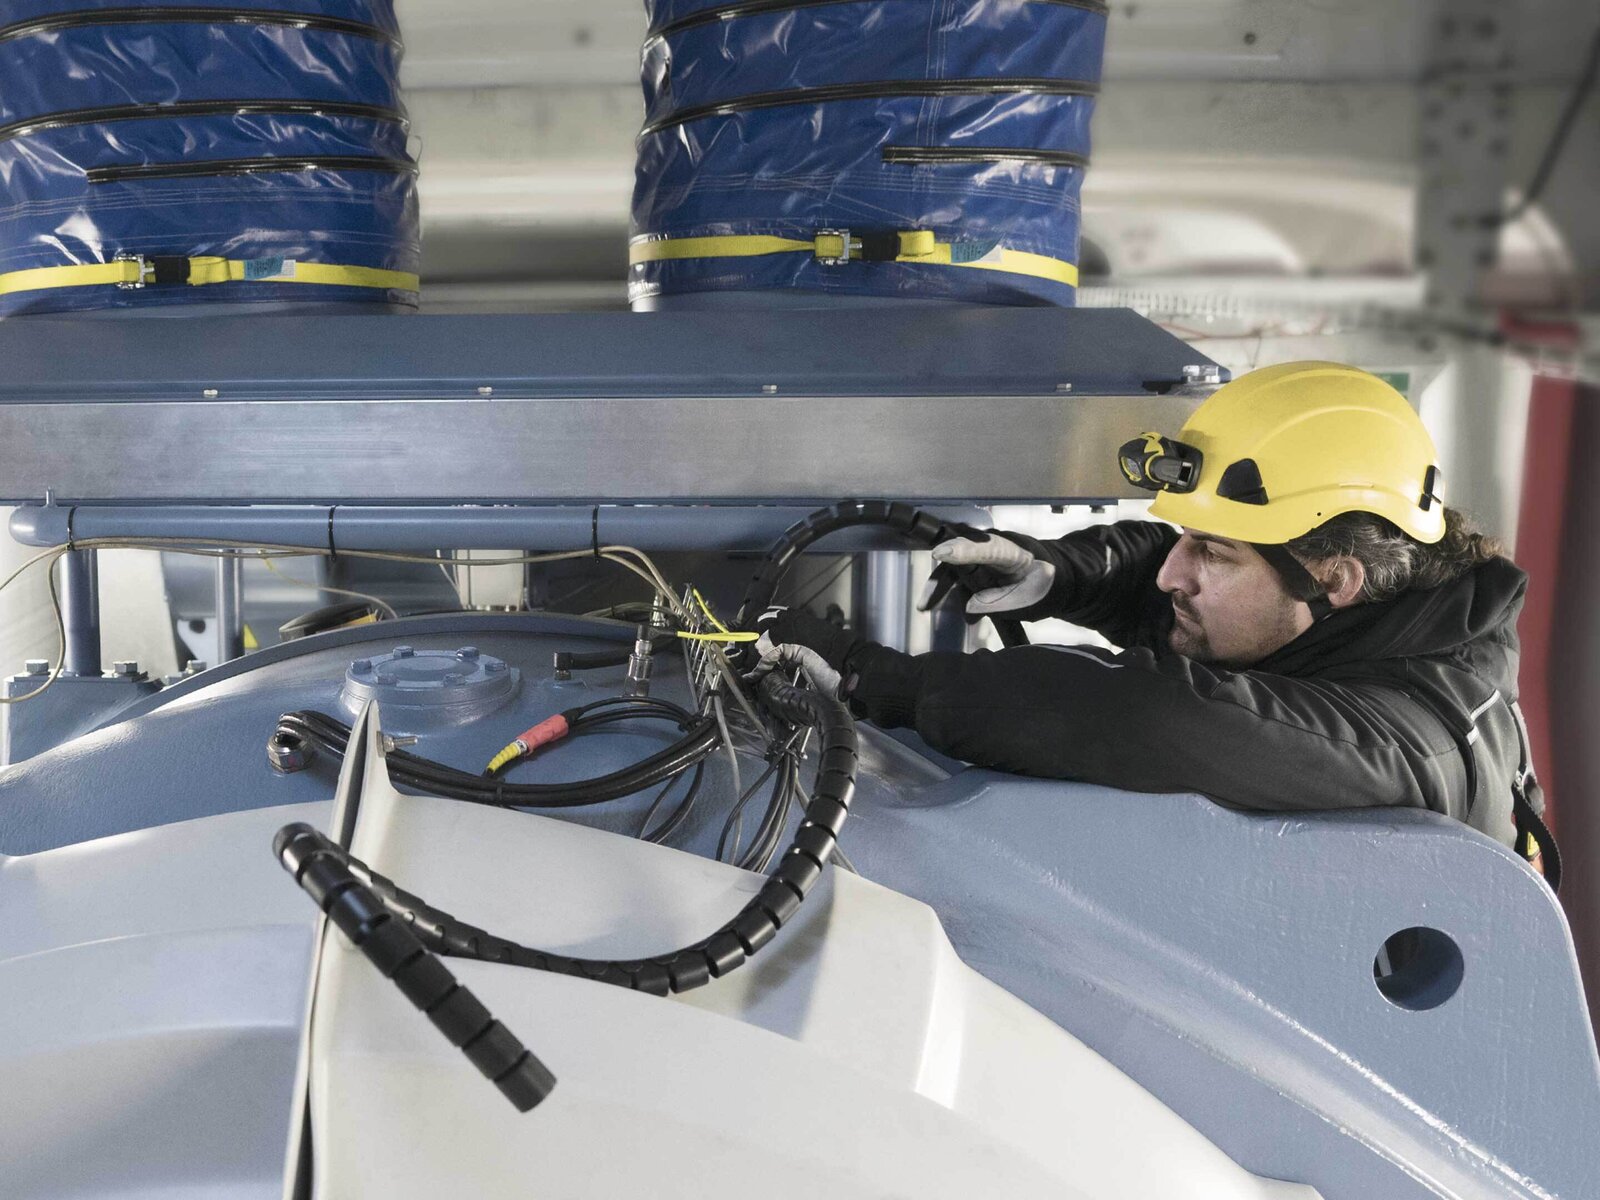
{"x":740,"y":138}
{"x":87,"y":86}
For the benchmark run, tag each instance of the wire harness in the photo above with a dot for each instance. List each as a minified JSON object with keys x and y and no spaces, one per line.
{"x":726,"y":949}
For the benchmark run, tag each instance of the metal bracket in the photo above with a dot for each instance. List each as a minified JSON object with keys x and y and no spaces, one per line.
{"x":852,"y":247}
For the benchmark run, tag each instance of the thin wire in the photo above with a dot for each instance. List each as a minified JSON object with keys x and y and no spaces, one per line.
{"x":1558,"y":140}
{"x":317,"y":587}
{"x":61,"y":626}
{"x":733,"y":755}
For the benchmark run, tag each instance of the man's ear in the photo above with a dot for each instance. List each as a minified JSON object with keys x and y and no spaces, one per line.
{"x":1344,"y":577}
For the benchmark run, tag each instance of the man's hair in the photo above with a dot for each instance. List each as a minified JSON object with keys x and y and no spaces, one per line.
{"x":1394,"y":562}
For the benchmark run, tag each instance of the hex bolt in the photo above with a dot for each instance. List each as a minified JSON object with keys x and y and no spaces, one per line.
{"x":494,"y":667}
{"x":486,"y":391}
{"x":404,"y":652}
{"x":1063,"y":388}
{"x":288,"y":752}
{"x":769,"y":389}
{"x":211,"y":393}
{"x":125,"y":669}
{"x":467,"y":654}
{"x":361,"y":666}
{"x":38,"y":666}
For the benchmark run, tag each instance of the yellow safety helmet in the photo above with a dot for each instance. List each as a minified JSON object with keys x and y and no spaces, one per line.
{"x":1277,"y":452}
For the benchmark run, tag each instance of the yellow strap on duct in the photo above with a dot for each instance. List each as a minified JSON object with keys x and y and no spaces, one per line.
{"x":833,"y":247}
{"x":135,"y":272}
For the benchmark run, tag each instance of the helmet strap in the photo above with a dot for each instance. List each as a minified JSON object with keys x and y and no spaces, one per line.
{"x":1300,"y":582}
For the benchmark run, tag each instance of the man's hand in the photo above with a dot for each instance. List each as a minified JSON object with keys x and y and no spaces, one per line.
{"x":794,"y":638}
{"x":999,"y":575}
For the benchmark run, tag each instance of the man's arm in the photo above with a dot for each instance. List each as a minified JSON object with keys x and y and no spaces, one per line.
{"x":1109,"y":572}
{"x":1103,"y":578}
{"x":1168,"y":724}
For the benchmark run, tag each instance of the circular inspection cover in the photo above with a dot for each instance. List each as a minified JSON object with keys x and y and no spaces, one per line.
{"x":433,"y":686}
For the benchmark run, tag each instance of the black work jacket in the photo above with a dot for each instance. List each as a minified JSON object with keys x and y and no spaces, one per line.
{"x":1403,"y":703}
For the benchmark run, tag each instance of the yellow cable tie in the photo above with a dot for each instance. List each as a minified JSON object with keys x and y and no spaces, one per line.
{"x":706,"y":608}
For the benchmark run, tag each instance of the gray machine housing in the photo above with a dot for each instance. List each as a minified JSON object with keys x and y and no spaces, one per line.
{"x":1223,"y":959}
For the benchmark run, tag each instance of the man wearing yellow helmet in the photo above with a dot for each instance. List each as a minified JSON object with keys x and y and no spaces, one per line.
{"x":1320,"y":632}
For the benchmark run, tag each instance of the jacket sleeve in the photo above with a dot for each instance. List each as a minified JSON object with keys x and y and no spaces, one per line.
{"x":1134,"y":720}
{"x":1106,"y":581}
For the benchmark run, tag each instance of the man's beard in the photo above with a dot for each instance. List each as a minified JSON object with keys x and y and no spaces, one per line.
{"x":1188,"y":638}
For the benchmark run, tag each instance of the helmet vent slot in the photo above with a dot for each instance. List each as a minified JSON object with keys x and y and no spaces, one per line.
{"x":1242,"y":482}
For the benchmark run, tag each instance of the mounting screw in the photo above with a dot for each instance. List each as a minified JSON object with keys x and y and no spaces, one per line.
{"x":393,"y":742}
{"x":211,"y":393}
{"x":769,"y":389}
{"x":1063,"y":388}
{"x":404,"y":652}
{"x":486,"y":391}
{"x":494,"y":667}
{"x":194,"y":666}
{"x":361,"y":666}
{"x":37,"y":666}
{"x":467,"y":654}
{"x":125,"y":670}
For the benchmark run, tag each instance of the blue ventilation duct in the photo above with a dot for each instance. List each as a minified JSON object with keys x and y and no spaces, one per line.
{"x":174,"y":154}
{"x":927,"y":148}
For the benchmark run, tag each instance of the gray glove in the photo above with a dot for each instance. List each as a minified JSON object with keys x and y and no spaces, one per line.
{"x":785,"y":634}
{"x":1001,"y":575}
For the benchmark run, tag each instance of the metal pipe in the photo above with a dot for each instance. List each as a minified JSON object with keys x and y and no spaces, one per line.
{"x":886,"y":598}
{"x":230,"y":608}
{"x":80,"y":613}
{"x":425,"y":528}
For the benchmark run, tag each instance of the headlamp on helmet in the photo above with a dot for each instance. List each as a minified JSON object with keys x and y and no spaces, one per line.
{"x":1159,"y":464}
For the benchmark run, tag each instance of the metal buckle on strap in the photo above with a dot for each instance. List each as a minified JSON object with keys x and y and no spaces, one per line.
{"x":146,"y":271}
{"x":851,"y":247}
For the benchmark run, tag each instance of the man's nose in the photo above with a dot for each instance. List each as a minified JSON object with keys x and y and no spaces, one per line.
{"x":1175,"y":574}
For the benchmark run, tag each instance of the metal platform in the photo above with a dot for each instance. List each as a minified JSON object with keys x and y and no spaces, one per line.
{"x":933,"y":404}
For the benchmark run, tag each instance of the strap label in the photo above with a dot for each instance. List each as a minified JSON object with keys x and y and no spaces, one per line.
{"x":269,"y":268}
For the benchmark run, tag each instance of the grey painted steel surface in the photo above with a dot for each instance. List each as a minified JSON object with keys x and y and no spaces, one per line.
{"x":1223,"y":959}
{"x":958,"y":404}
{"x":71,"y":706}
{"x":730,"y":528}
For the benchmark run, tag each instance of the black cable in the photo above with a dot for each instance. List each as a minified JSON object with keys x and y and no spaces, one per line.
{"x":680,"y":814}
{"x":1558,"y":139}
{"x":918,"y":527}
{"x":756,"y":924}
{"x":333,"y":736}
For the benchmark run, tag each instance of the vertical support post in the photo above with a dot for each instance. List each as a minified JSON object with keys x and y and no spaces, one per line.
{"x":230,"y":607}
{"x":886,"y":598}
{"x":80,"y":612}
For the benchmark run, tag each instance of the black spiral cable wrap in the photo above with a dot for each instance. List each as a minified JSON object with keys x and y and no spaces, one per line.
{"x":713,"y":957}
{"x":921,"y":528}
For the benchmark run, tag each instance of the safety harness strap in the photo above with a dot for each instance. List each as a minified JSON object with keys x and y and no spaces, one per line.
{"x":136,"y":271}
{"x":836,"y":247}
{"x":1534,"y":838}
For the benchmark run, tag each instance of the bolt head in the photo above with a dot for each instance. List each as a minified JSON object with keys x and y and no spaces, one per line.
{"x":361,"y":666}
{"x":211,"y":393}
{"x":494,"y":667}
{"x":404,"y":652}
{"x":467,"y":654}
{"x":38,"y":666}
{"x":193,"y":667}
{"x":125,"y":669}
{"x":486,"y":391}
{"x":1063,"y":388}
